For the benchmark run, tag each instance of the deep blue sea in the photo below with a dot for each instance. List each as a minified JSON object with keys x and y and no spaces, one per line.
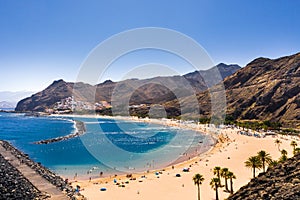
{"x":110,"y":146}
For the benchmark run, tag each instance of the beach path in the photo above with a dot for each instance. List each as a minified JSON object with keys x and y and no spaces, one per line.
{"x":39,"y":182}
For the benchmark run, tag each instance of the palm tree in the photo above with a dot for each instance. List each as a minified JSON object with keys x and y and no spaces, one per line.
{"x":294,"y":144}
{"x":264,"y":158}
{"x":198,"y":180}
{"x":283,"y":155}
{"x":278,"y":142}
{"x":215,"y":185}
{"x":284,"y":152}
{"x":217,"y":171}
{"x":254,"y":163}
{"x":224,"y":174}
{"x":231,"y":176}
{"x":273,"y":163}
{"x":297,"y":150}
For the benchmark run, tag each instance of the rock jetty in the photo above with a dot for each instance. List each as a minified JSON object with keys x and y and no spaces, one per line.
{"x":51,"y":177}
{"x":279,"y":183}
{"x":80,"y":130}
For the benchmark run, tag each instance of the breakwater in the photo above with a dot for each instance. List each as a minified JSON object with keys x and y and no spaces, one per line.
{"x":50,"y":176}
{"x":80,"y":130}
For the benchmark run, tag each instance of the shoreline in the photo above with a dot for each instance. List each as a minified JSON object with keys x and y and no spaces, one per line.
{"x":205,"y":130}
{"x":218,"y":141}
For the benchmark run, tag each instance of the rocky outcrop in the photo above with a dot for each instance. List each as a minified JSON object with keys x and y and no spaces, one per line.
{"x":146,"y":91}
{"x":279,"y":183}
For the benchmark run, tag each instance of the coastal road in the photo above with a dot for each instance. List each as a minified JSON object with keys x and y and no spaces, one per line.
{"x":39,"y":182}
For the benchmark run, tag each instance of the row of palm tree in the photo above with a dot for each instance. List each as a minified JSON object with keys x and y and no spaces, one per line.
{"x":263,"y":158}
{"x":226,"y":174}
{"x":222,"y":173}
{"x":215,"y":182}
{"x":259,"y":161}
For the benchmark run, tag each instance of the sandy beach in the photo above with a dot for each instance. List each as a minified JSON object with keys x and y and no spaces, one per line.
{"x":231,"y":153}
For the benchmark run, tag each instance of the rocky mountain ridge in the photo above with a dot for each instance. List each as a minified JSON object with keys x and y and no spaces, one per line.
{"x":157,"y":90}
{"x":265,"y":89}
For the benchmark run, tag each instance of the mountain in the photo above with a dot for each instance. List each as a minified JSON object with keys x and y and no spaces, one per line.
{"x":40,"y":101}
{"x":211,"y":75}
{"x":8,"y":98}
{"x":281,"y":182}
{"x":265,"y":89}
{"x":146,"y":91}
{"x":5,"y":104}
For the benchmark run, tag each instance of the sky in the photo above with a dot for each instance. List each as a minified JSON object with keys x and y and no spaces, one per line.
{"x":42,"y":41}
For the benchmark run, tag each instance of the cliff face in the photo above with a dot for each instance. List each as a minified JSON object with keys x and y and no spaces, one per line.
{"x":280,"y":183}
{"x":265,"y":89}
{"x":146,"y":91}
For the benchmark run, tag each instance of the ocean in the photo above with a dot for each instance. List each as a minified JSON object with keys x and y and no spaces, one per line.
{"x":109,"y":146}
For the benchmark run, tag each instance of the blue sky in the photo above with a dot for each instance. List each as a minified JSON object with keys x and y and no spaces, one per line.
{"x":41,"y":41}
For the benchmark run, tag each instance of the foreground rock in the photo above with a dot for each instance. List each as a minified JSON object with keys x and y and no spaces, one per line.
{"x":51,"y":177}
{"x":279,"y":183}
{"x":13,"y":185}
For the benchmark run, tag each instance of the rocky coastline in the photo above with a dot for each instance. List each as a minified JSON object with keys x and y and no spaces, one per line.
{"x":27,"y":188}
{"x":80,"y":130}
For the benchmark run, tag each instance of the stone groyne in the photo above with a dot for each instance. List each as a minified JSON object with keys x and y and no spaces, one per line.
{"x":51,"y":177}
{"x":80,"y":130}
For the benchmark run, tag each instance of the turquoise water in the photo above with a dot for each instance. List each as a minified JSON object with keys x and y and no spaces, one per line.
{"x":110,"y":146}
